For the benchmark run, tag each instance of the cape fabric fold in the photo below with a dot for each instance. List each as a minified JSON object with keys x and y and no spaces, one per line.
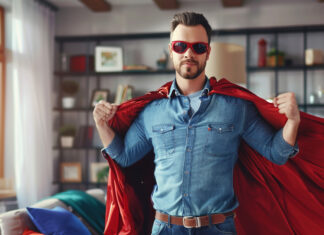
{"x":274,"y":200}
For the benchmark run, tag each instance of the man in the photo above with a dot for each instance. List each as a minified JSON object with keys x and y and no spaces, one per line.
{"x":195,"y":137}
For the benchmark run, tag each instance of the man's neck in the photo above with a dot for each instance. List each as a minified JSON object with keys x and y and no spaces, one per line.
{"x":189,"y":86}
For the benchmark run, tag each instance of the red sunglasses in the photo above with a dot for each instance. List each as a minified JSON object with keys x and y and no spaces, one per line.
{"x":182,"y":46}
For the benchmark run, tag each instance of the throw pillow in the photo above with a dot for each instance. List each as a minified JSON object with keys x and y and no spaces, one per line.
{"x":31,"y":232}
{"x":56,"y":221}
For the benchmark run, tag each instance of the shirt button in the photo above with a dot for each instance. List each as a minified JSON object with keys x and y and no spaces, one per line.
{"x":186,"y":172}
{"x":185,"y":195}
{"x":190,"y":127}
{"x":188,"y":149}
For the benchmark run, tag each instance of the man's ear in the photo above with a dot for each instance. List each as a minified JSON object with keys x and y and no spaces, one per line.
{"x":170,"y":51}
{"x":208,"y":52}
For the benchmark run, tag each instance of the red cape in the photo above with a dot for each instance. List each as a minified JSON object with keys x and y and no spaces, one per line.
{"x":274,"y":200}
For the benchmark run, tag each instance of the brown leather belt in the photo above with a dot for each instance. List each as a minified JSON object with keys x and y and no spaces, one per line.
{"x":193,"y":222}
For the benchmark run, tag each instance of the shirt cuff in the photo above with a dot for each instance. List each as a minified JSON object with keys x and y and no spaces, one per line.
{"x":286,"y":150}
{"x":114,"y":148}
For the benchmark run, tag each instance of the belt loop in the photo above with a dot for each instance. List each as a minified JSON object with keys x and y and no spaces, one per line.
{"x":169,"y":221}
{"x":210,"y":221}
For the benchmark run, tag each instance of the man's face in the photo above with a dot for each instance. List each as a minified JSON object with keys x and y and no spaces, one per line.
{"x":189,"y":65}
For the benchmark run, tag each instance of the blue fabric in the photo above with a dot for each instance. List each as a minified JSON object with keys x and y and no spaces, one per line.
{"x":92,"y":210}
{"x":195,"y":156}
{"x":57,"y":221}
{"x":225,"y":228}
{"x":194,"y":102}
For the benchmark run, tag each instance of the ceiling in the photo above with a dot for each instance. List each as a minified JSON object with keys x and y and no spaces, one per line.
{"x":77,"y":3}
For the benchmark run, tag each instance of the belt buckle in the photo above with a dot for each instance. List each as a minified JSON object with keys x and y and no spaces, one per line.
{"x":197,"y":219}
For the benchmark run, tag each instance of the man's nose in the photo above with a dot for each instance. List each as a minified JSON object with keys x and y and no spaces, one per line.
{"x":189,"y":53}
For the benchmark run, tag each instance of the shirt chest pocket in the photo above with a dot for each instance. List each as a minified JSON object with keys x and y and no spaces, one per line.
{"x":163,"y":139}
{"x":220,"y":139}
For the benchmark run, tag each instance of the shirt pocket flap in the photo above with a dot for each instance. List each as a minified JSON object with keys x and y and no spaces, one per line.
{"x":163,"y":128}
{"x":221,"y":127}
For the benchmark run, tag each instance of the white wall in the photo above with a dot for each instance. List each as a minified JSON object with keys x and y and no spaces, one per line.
{"x":148,"y":18}
{"x":254,"y":13}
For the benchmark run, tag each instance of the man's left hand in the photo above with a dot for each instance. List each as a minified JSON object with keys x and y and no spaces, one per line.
{"x":286,"y":102}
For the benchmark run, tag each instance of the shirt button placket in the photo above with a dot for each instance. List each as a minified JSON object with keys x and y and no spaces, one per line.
{"x":188,"y":156}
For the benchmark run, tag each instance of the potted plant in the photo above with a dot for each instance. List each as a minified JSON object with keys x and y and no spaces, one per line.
{"x":102,"y":175}
{"x":69,"y":89}
{"x":67,"y":134}
{"x":272,"y":54}
{"x":163,"y":61}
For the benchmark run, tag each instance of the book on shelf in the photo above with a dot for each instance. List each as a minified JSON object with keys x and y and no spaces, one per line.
{"x":123,"y":93}
{"x":84,"y":136}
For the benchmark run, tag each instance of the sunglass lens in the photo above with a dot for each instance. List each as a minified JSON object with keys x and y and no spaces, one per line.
{"x":179,"y":47}
{"x":199,"y":48}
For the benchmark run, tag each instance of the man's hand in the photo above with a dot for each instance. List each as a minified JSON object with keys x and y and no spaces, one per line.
{"x":103,"y":112}
{"x":286,"y":102}
{"x":287,"y":105}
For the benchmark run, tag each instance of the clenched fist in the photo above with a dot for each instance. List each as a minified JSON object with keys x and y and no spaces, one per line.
{"x":103,"y":112}
{"x":287,"y":105}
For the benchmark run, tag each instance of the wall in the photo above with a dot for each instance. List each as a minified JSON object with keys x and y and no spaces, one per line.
{"x":254,"y":13}
{"x":148,"y":18}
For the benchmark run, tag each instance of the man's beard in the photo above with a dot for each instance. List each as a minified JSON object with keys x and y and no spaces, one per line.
{"x":187,"y":74}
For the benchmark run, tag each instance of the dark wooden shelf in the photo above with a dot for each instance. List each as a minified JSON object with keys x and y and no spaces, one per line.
{"x":126,"y":72}
{"x":311,"y":105}
{"x":166,"y":35}
{"x":284,"y":68}
{"x":78,"y":109}
{"x":77,"y":148}
{"x":80,"y":183}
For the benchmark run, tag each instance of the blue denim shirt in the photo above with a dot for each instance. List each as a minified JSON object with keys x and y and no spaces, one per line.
{"x":195,"y":155}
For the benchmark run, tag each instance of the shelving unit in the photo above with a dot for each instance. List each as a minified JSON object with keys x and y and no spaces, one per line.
{"x":94,"y":77}
{"x":123,"y":73}
{"x":276,"y":31}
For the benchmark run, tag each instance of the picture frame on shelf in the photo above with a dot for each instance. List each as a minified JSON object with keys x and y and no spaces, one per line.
{"x":99,"y":94}
{"x":99,"y":172}
{"x":108,"y":59}
{"x":71,"y":172}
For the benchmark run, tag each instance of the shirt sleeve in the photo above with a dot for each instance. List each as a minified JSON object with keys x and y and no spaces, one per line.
{"x":132,"y":148}
{"x":263,"y":138}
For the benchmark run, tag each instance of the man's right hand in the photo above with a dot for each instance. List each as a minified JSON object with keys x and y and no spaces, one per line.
{"x":103,"y":112}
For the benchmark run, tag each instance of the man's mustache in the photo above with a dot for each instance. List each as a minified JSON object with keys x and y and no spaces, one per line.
{"x":189,"y":61}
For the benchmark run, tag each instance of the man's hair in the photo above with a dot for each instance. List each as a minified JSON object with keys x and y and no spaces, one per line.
{"x":191,"y":19}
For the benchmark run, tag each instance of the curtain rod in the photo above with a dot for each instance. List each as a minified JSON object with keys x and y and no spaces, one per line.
{"x":48,"y":4}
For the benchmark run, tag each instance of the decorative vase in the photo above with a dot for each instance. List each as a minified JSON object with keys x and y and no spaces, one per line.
{"x":262,"y":50}
{"x":272,"y":60}
{"x":67,"y":141}
{"x":68,"y":102}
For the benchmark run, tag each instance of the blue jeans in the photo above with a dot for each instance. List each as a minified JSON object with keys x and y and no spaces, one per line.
{"x":225,"y":228}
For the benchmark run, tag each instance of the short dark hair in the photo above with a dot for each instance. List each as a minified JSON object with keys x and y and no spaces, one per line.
{"x":191,"y":19}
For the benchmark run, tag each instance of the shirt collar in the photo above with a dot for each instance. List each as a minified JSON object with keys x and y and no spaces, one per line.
{"x":174,"y":91}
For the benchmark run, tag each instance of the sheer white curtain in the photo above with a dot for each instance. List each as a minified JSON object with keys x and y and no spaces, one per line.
{"x":32,"y":62}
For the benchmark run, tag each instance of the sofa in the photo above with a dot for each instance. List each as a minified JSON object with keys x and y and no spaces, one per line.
{"x":15,"y":222}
